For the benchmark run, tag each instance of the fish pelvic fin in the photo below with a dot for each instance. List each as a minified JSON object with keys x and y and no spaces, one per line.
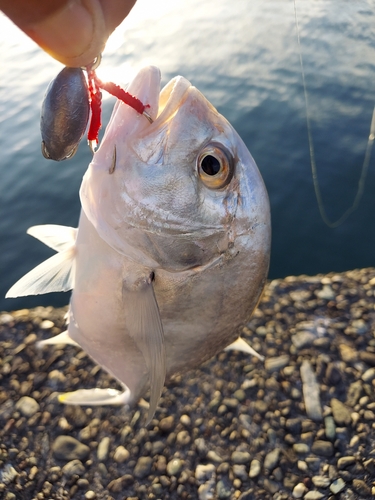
{"x":243,"y":346}
{"x":55,"y":274}
{"x":59,"y":238}
{"x":96,"y":397}
{"x":145,"y":326}
{"x":61,"y":338}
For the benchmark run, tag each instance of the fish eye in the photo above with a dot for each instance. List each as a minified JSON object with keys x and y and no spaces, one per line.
{"x":215,"y":166}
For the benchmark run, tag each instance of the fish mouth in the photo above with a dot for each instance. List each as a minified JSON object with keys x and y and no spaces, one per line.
{"x":160,"y":105}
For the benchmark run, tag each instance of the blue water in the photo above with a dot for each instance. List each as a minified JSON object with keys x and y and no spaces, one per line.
{"x":244,"y":57}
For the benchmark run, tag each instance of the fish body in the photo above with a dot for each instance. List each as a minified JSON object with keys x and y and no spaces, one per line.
{"x":172,"y":248}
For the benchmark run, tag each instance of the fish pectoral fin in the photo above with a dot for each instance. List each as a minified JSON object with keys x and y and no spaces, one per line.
{"x":144,"y":324}
{"x":59,"y":238}
{"x":241,"y":345}
{"x":61,"y":338}
{"x":53,"y":275}
{"x":96,"y":397}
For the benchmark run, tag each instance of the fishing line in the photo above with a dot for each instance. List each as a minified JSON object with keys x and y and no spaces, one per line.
{"x":366,"y":161}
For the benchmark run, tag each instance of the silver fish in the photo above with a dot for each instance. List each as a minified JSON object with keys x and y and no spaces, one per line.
{"x":172,"y":248}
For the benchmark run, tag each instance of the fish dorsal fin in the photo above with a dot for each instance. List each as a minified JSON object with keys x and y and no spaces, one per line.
{"x":57,"y":237}
{"x":53,"y":275}
{"x":145,"y":327}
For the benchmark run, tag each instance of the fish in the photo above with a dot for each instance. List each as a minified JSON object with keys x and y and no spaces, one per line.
{"x":172,"y":248}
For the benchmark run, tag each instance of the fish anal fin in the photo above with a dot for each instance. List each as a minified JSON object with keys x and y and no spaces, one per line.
{"x":53,"y":275}
{"x":144,"y":324}
{"x":241,"y":345}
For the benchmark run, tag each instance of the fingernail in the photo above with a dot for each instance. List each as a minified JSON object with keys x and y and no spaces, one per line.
{"x":67,"y":35}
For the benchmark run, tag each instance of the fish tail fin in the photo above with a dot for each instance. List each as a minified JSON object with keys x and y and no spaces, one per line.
{"x":241,"y":345}
{"x":54,"y":274}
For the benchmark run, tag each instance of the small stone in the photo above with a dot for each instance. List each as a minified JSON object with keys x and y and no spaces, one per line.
{"x":272,"y":459}
{"x":299,"y":490}
{"x":240,"y":471}
{"x":369,"y":375}
{"x":348,"y":354}
{"x":361,"y":488}
{"x":103,"y":449}
{"x":204,"y":472}
{"x":241,"y":457}
{"x":27,"y":406}
{"x":69,"y":448}
{"x":121,"y":455}
{"x":8,"y":474}
{"x":90,"y":495}
{"x":330,"y":427}
{"x":255,"y":468}
{"x":326,"y":293}
{"x":322,"y":448}
{"x":223,"y":489}
{"x":344,"y":462}
{"x":46,"y":324}
{"x":271,"y":486}
{"x":337,"y":486}
{"x":174,"y":467}
{"x":214,"y":457}
{"x":185,"y":420}
{"x":313,"y":495}
{"x":321,"y":481}
{"x":341,"y":413}
{"x":303,"y":339}
{"x":166,"y":424}
{"x":276,"y":363}
{"x":183,"y":438}
{"x":367,"y":357}
{"x":302,"y":466}
{"x":143,"y":467}
{"x":301,"y":448}
{"x":73,"y":468}
{"x":311,"y":392}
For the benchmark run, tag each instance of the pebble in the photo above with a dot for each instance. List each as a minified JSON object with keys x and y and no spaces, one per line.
{"x":326,"y":293}
{"x":69,"y":448}
{"x":46,"y":324}
{"x":143,"y":467}
{"x":330,"y":427}
{"x":321,"y":481}
{"x":223,"y":489}
{"x":361,"y":487}
{"x":369,"y":375}
{"x":8,"y":474}
{"x":322,"y":448}
{"x":255,"y":468}
{"x":27,"y":406}
{"x":167,"y":424}
{"x":303,"y":339}
{"x":301,"y":448}
{"x":299,"y":490}
{"x":276,"y":363}
{"x":313,"y":495}
{"x":174,"y":467}
{"x":341,"y":413}
{"x":271,"y":459}
{"x":344,"y":462}
{"x":241,"y":457}
{"x":214,"y":457}
{"x":90,"y":495}
{"x":204,"y":472}
{"x":103,"y":449}
{"x":72,"y":468}
{"x":121,"y":454}
{"x":337,"y":486}
{"x":185,"y":420}
{"x":311,"y":392}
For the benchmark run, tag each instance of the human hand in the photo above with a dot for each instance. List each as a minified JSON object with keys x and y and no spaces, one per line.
{"x":72,"y":31}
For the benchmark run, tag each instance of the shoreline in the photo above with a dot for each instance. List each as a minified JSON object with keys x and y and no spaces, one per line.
{"x":299,"y":425}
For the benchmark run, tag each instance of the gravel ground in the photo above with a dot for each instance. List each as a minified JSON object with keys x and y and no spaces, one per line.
{"x":299,"y":425}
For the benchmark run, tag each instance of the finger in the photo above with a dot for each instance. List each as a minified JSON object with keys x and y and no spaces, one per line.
{"x":73,"y":32}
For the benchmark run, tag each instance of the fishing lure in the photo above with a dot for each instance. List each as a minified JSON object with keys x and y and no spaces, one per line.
{"x":66,"y":109}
